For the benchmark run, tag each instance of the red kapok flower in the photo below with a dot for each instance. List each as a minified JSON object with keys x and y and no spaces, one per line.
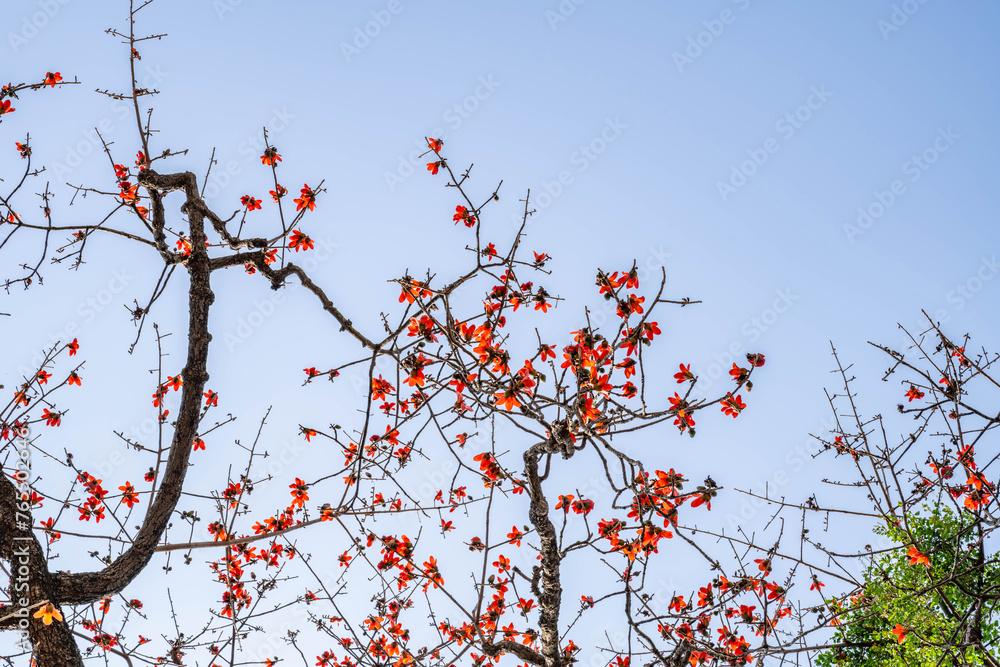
{"x":300,"y":241}
{"x":251,"y":203}
{"x":270,"y":156}
{"x":462,"y":215}
{"x":307,"y":200}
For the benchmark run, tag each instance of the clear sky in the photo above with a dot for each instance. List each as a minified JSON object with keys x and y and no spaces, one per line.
{"x":812,"y":172}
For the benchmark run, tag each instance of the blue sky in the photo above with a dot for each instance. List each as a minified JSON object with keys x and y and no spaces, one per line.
{"x":735,"y":144}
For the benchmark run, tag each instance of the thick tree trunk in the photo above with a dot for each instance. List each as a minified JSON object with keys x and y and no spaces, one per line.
{"x":53,"y":645}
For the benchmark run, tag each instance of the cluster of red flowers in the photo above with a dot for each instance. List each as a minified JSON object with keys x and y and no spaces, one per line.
{"x":300,"y":241}
{"x":307,"y":201}
{"x":250,"y":203}
{"x":128,"y":193}
{"x":464,"y":216}
{"x":270,"y":156}
{"x":94,"y":505}
{"x":435,"y":145}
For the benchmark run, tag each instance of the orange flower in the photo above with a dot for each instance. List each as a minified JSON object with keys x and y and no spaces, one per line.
{"x":391,"y":435}
{"x":507,"y":398}
{"x":502,"y":564}
{"x":380,"y":388}
{"x":299,"y":495}
{"x":515,"y":536}
{"x":52,"y":418}
{"x":540,"y":302}
{"x":684,"y":375}
{"x":52,"y":79}
{"x":128,"y":192}
{"x":914,"y":393}
{"x":432,"y":167}
{"x":435,"y":145}
{"x":431,"y":570}
{"x":307,"y":200}
{"x":270,"y":156}
{"x":684,"y":421}
{"x":211,"y":398}
{"x":300,"y":241}
{"x":53,"y":535}
{"x":251,"y":203}
{"x":278,"y":192}
{"x":48,"y":613}
{"x":73,"y":379}
{"x":129,"y":496}
{"x":564,"y":502}
{"x":73,"y":347}
{"x":733,"y":406}
{"x":415,"y":289}
{"x":900,"y":633}
{"x":462,"y":215}
{"x":917,"y":558}
{"x":698,"y":658}
{"x":23,"y":149}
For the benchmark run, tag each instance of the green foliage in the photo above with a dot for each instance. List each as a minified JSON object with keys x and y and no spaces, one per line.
{"x":935,"y":604}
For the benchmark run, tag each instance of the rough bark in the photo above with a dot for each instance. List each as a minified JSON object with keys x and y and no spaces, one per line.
{"x":53,"y":645}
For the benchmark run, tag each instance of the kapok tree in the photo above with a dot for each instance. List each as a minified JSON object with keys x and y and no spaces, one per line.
{"x":925,"y":592}
{"x":451,"y":376}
